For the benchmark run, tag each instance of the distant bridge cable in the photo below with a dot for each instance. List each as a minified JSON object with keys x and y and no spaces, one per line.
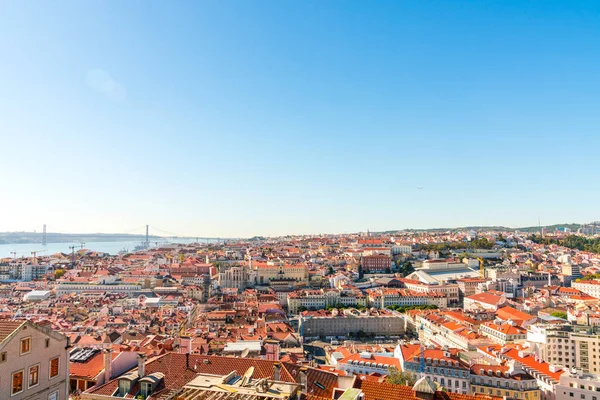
{"x":164,"y":232}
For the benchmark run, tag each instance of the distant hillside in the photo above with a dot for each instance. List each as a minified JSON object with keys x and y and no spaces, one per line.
{"x":528,"y":229}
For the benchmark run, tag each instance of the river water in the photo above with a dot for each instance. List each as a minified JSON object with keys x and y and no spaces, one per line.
{"x":25,"y":249}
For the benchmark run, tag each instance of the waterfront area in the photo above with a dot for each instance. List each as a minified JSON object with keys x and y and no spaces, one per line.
{"x":346,"y":309}
{"x":112,"y":248}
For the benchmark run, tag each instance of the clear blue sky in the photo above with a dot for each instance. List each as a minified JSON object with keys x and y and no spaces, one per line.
{"x":238,"y":118}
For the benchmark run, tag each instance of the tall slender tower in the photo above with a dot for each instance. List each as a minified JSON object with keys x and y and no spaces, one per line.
{"x":147,"y":237}
{"x":44,"y":236}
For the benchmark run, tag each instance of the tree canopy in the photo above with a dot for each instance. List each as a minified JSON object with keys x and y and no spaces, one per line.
{"x":397,"y":377}
{"x":572,"y":242}
{"x":559,"y":314}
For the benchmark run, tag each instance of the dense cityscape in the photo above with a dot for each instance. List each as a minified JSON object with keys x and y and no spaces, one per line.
{"x":431,"y":314}
{"x":299,"y":200}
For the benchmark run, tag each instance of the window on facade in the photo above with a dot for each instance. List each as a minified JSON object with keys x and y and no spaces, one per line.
{"x":583,"y":396}
{"x":34,"y":375}
{"x":17,"y":382}
{"x":53,"y":396}
{"x":53,"y":367}
{"x":571,"y":394}
{"x":2,"y":357}
{"x":25,"y":345}
{"x":124,"y":387}
{"x":47,"y":343}
{"x":146,"y":389}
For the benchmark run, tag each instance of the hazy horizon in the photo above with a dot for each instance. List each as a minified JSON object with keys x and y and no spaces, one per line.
{"x":299,"y":234}
{"x":241,"y":119}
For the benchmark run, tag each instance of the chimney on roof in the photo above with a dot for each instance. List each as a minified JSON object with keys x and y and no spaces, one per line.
{"x":304,"y":379}
{"x":277,"y":371}
{"x":141,"y":365}
{"x":107,"y":365}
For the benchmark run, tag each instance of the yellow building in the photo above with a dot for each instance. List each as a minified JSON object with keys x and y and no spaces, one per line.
{"x":509,"y":381}
{"x":274,"y":270}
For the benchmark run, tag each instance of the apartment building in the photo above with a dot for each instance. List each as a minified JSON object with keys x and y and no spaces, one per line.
{"x":31,"y":271}
{"x":509,"y":381}
{"x":350,"y":321}
{"x":376,"y":263}
{"x":449,"y":290}
{"x":468,"y":286}
{"x":503,"y":333}
{"x":384,"y":297}
{"x":235,"y":277}
{"x":588,"y":287}
{"x":434,"y":328}
{"x":577,"y":385}
{"x":367,"y":363}
{"x":79,"y":287}
{"x":539,"y":280}
{"x":484,"y":301}
{"x":402,"y":248}
{"x":318,"y":299}
{"x":449,"y":264}
{"x":441,"y":365}
{"x":34,"y":362}
{"x":274,"y":270}
{"x":573,"y":346}
{"x":571,"y":270}
{"x":546,"y":375}
{"x":369,"y":251}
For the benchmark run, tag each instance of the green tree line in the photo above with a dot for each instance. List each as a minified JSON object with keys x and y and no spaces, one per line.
{"x":572,"y":242}
{"x":482,"y":243}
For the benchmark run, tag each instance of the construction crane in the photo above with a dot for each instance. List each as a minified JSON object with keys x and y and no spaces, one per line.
{"x":481,"y":269}
{"x":34,"y":254}
{"x":72,"y":256}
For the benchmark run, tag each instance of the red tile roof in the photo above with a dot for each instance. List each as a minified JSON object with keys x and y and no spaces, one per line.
{"x":386,"y":391}
{"x":486,"y":298}
{"x":506,"y":313}
{"x":177,"y":373}
{"x":8,"y":327}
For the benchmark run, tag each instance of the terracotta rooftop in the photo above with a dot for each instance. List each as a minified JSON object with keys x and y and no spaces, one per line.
{"x":179,"y":369}
{"x":487,"y":298}
{"x":386,"y":391}
{"x":7,"y":327}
